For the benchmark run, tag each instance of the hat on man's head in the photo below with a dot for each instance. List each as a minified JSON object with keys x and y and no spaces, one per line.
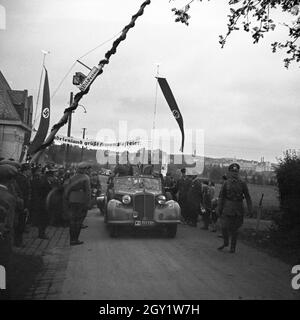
{"x":84,"y":165}
{"x":7,"y":172}
{"x":234,"y":167}
{"x":183,"y":170}
{"x":12,"y":163}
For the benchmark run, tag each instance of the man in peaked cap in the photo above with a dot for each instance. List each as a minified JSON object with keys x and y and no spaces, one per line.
{"x":183,"y":185}
{"x":12,"y":163}
{"x":234,"y":167}
{"x":231,"y":209}
{"x":7,"y":172}
{"x":77,"y":195}
{"x":84,"y":166}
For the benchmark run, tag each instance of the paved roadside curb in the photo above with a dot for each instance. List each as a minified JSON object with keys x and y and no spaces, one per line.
{"x":53,"y":253}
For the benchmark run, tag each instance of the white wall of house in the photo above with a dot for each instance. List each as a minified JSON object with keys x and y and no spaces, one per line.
{"x":11,"y":141}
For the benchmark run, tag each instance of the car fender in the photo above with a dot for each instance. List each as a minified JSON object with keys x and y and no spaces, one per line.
{"x":117,"y":211}
{"x":170,"y":211}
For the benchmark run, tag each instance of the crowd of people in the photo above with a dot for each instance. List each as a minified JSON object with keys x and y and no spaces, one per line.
{"x":32,"y":195}
{"x":196,"y":197}
{"x":39,"y":196}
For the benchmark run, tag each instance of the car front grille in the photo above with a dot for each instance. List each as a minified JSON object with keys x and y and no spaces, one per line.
{"x":144,"y":204}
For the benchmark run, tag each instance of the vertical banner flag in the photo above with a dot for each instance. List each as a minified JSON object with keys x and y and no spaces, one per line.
{"x":44,"y":121}
{"x":165,"y":88}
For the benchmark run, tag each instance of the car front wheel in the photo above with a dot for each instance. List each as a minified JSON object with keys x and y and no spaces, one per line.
{"x":113,"y":231}
{"x":171,"y":230}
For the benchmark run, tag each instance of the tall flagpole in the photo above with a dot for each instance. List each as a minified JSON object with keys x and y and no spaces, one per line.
{"x":155,"y":108}
{"x":155,"y":104}
{"x":86,"y":84}
{"x":40,"y":84}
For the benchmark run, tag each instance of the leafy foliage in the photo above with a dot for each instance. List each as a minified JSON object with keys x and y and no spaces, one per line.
{"x":255,"y":16}
{"x":288,"y":177}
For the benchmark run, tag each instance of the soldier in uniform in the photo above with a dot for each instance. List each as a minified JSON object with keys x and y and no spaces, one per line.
{"x":194,"y":199}
{"x":7,"y":200}
{"x":230,"y":207}
{"x":41,"y":185}
{"x":23,"y":181}
{"x":206,"y":195}
{"x":15,"y":190}
{"x":170,"y":185}
{"x":77,"y":195}
{"x":8,"y":204}
{"x":183,"y":185}
{"x":122,"y":170}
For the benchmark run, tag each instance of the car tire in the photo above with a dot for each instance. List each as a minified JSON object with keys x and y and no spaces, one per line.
{"x":171,"y":230}
{"x":113,"y":231}
{"x":105,"y":212}
{"x":169,"y":196}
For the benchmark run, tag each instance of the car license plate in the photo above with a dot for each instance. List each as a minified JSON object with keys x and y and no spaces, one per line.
{"x":143,"y":223}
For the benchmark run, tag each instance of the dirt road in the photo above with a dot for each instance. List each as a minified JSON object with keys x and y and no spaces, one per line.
{"x":149,"y":266}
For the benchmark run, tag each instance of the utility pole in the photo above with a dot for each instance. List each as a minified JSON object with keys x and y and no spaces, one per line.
{"x":83,"y":137}
{"x":67,"y":158}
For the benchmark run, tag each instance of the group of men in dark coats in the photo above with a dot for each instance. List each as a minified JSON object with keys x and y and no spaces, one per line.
{"x":190,"y":197}
{"x":196,"y":196}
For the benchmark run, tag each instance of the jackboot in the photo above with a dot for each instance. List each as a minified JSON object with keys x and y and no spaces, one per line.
{"x":233,"y":243}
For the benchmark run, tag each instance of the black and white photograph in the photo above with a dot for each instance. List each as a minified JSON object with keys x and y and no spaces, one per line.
{"x":149,"y":153}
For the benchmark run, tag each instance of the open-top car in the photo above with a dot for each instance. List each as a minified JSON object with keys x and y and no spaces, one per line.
{"x":140,"y":201}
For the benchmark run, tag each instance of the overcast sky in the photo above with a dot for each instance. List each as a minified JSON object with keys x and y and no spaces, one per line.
{"x":243,"y":98}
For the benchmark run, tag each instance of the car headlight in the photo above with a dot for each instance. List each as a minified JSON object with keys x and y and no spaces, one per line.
{"x":126,"y":199}
{"x":161,"y":199}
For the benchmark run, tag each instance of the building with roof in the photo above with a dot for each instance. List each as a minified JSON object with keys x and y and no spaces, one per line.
{"x":16,"y":109}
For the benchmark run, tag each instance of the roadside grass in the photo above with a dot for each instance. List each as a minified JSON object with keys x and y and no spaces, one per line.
{"x":270,"y":205}
{"x":265,"y":239}
{"x":262,"y":240}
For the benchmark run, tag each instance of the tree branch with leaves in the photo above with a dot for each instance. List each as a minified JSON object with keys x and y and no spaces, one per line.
{"x":255,"y":17}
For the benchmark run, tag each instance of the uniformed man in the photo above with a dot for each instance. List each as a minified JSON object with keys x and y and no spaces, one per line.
{"x":230,"y":207}
{"x":15,"y":190}
{"x":8,"y":205}
{"x":183,"y":185}
{"x":194,"y":199}
{"x":7,"y":200}
{"x":77,"y":195}
{"x":122,"y":170}
{"x":206,"y":196}
{"x":95,"y":188}
{"x":41,"y":185}
{"x":170,"y":185}
{"x":23,"y":181}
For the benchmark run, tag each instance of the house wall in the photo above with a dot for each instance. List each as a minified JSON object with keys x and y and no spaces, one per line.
{"x":11,"y":141}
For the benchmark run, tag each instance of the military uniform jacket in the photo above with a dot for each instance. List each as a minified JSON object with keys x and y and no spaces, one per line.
{"x":78,"y":190}
{"x":9,"y":203}
{"x":194,"y":192}
{"x":183,"y":186}
{"x":232,"y":193}
{"x":25,"y":188}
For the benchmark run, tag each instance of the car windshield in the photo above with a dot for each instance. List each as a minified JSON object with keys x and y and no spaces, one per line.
{"x":137,"y":184}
